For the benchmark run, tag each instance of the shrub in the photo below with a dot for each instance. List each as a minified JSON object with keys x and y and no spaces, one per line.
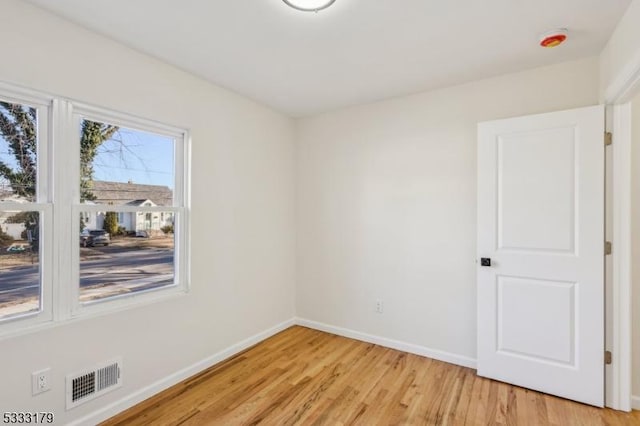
{"x":167,"y":229}
{"x":111,"y":223}
{"x":5,"y":239}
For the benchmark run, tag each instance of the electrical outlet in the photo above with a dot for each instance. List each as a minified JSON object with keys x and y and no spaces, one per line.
{"x":41,"y":381}
{"x":379,"y":306}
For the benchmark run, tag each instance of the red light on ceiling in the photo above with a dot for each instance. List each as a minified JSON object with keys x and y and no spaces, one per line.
{"x":553,"y":41}
{"x":553,"y":38}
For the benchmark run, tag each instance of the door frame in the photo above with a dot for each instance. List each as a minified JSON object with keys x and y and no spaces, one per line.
{"x":617,"y":98}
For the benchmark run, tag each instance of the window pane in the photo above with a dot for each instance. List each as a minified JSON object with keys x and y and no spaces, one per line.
{"x":121,"y":166}
{"x":20,"y":290}
{"x":18,"y":152}
{"x":120,"y":257}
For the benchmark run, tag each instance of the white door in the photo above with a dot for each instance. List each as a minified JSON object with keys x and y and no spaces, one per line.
{"x":541,"y":224}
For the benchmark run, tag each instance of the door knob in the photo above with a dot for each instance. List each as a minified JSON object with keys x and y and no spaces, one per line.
{"x":485,"y":261}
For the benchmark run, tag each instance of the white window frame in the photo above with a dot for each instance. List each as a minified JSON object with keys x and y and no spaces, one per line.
{"x":43,"y":205}
{"x":180,"y":208}
{"x":58,"y":202}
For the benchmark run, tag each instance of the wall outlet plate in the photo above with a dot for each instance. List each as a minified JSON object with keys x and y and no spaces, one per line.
{"x":40,"y":381}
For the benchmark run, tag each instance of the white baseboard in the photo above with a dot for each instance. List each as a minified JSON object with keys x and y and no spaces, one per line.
{"x":390,"y":343}
{"x":175,"y":378}
{"x":635,"y":402}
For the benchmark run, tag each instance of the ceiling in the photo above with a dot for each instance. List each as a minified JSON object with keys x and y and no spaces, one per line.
{"x":356,"y":51}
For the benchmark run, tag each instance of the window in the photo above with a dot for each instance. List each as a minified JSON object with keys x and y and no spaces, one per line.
{"x":25,"y":213}
{"x":112,"y":232}
{"x":131,"y":173}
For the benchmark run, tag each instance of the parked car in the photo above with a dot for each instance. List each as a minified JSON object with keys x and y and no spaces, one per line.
{"x":17,"y":248}
{"x":95,"y":237}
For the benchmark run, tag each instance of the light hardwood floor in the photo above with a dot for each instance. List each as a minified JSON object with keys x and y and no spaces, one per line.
{"x":307,"y":377}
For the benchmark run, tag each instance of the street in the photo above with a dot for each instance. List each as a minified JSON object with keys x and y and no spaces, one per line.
{"x":122,"y":271}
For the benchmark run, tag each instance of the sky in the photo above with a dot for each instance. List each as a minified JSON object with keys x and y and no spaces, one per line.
{"x":130,"y":155}
{"x":136,"y":156}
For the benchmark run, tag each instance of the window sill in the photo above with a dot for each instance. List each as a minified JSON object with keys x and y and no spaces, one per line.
{"x":97,"y":310}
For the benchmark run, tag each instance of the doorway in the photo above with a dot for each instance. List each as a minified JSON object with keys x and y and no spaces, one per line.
{"x":620,"y":97}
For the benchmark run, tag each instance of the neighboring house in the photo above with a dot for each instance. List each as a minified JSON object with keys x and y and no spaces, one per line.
{"x":144,"y":221}
{"x":14,"y":230}
{"x":131,"y":194}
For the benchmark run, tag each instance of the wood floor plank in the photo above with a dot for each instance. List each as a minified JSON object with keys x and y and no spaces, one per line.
{"x":307,"y":377}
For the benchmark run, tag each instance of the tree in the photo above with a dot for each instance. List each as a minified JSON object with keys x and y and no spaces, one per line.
{"x":93,"y":135}
{"x":18,"y":127}
{"x":111,"y":223}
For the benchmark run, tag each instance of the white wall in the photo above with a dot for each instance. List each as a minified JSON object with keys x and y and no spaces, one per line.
{"x":386,"y":204}
{"x":622,"y":53}
{"x":635,"y":242}
{"x":242,"y":216}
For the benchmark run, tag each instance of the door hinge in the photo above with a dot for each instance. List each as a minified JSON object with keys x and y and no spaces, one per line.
{"x":608,"y":357}
{"x":608,"y":138}
{"x":608,"y":248}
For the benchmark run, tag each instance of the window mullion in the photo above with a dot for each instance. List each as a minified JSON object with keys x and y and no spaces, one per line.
{"x":65,"y":171}
{"x":183,"y":200}
{"x":44,"y":169}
